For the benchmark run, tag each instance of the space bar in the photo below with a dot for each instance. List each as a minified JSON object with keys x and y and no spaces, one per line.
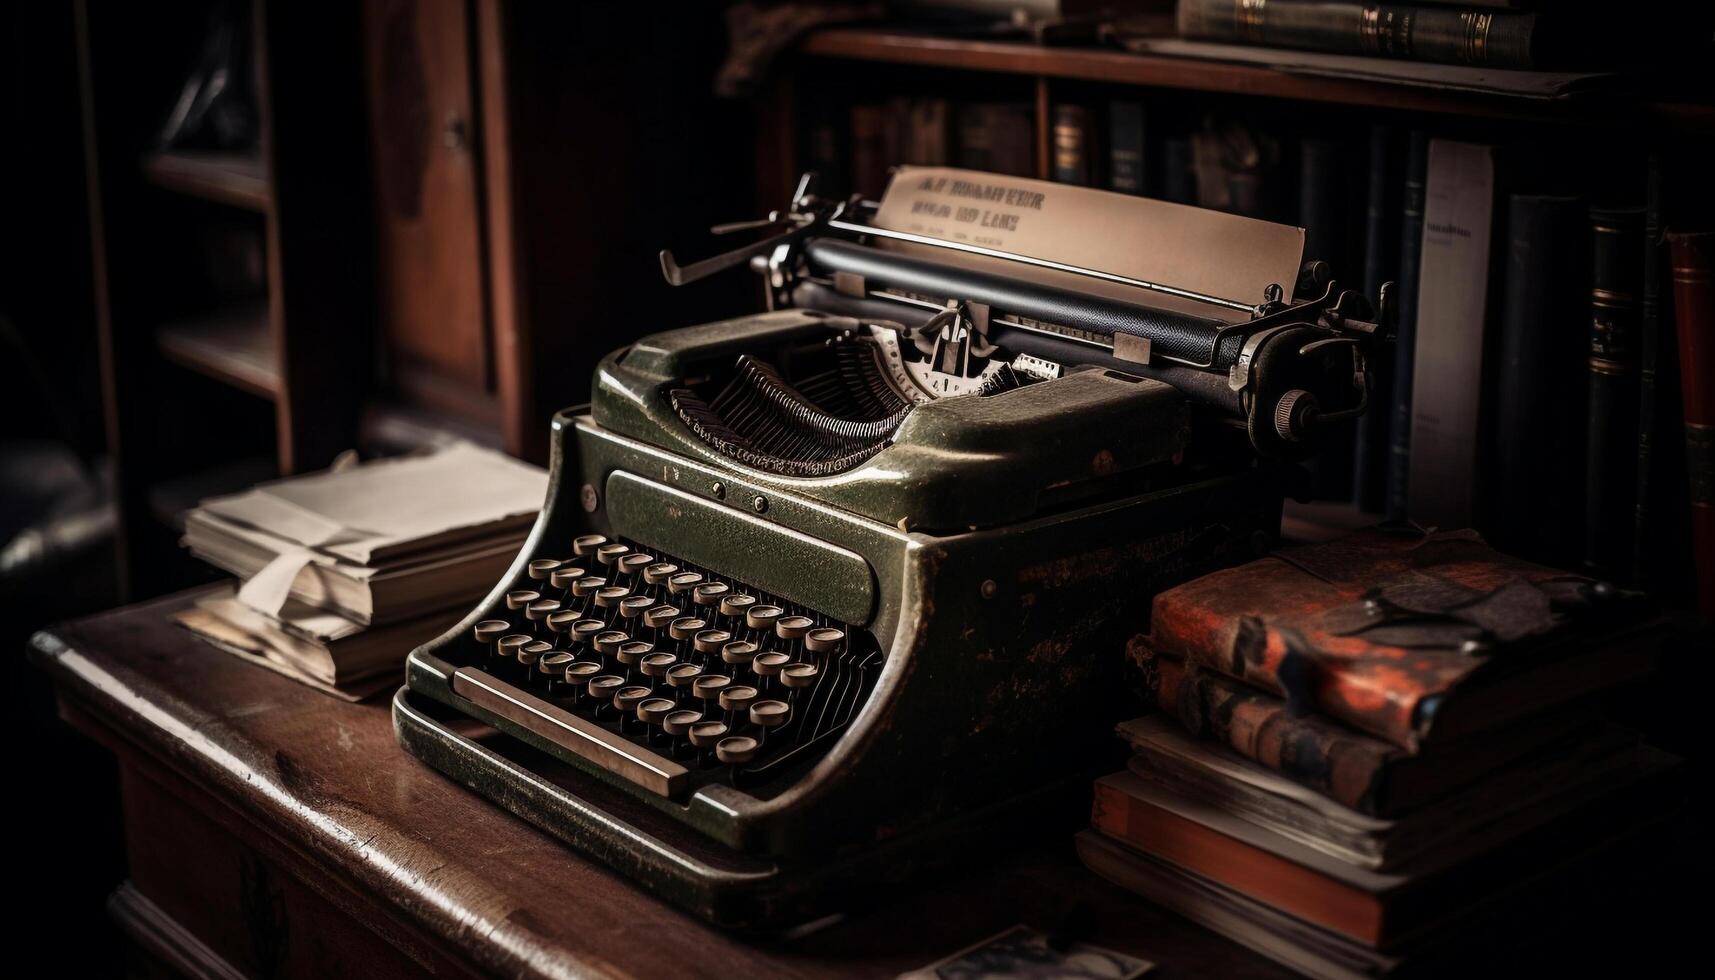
{"x":588,"y":740}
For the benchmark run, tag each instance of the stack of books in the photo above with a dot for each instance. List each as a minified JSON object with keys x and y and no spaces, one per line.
{"x":342,"y":573}
{"x":1381,"y":751}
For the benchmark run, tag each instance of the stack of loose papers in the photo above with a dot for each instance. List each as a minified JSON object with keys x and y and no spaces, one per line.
{"x":343,"y":572}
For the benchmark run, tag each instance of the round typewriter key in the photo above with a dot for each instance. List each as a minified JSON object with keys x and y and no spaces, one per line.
{"x":489,"y":630}
{"x":793,"y":627}
{"x":799,"y":675}
{"x":608,"y":642}
{"x":531,"y":652}
{"x":736,"y":605}
{"x":585,"y":630}
{"x":677,"y":724}
{"x":610,"y":596}
{"x":578,"y":674}
{"x":763,"y":617}
{"x":736,"y":750}
{"x":738,"y":652}
{"x":660,"y":616}
{"x":704,"y":734}
{"x":587,"y":544}
{"x":710,"y":642}
{"x":607,"y":554}
{"x":654,"y":710}
{"x":709,"y":686}
{"x":507,"y":647}
{"x":656,"y":664}
{"x":632,"y":565}
{"x":686,"y":627}
{"x":562,"y":578}
{"x":562,"y":620}
{"x":553,"y":666}
{"x":631,"y":654}
{"x":541,"y":568}
{"x":770,"y":714}
{"x":709,"y":593}
{"x":632,"y":607}
{"x":681,"y":677}
{"x":659,"y":572}
{"x":825,"y":640}
{"x":602,"y":688}
{"x":540,"y":609}
{"x":584,"y":585}
{"x":626,"y":700}
{"x":519,"y":598}
{"x":683,"y":581}
{"x":738,"y":697}
{"x":768,"y":664}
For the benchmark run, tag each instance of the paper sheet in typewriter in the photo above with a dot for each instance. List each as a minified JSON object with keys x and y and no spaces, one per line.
{"x":1203,"y":251}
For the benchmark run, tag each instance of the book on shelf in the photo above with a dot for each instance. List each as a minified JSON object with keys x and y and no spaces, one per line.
{"x":1661,"y":554}
{"x":1417,"y":32}
{"x":1616,"y":237}
{"x":375,"y":542}
{"x":1178,"y":174}
{"x":1405,"y":327}
{"x":1692,"y":256}
{"x":1326,"y":207}
{"x":1451,"y":334}
{"x":997,"y":137}
{"x":875,"y":148}
{"x":1073,"y":143}
{"x":1538,"y":459}
{"x":1383,"y":185}
{"x":1128,"y":171}
{"x":925,"y":129}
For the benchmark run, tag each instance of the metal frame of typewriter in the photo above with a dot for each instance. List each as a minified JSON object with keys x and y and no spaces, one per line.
{"x":998,"y":583}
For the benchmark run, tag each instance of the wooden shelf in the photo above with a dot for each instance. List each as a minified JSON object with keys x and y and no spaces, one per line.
{"x":1202,"y":75}
{"x":235,"y":179}
{"x":235,"y":346}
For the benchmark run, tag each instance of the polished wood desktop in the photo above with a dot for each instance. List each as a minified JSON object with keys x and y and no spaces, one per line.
{"x":275,"y":831}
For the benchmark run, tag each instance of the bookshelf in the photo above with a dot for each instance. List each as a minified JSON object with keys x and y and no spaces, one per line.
{"x":231,"y":306}
{"x":1321,"y":138}
{"x":1196,"y":75}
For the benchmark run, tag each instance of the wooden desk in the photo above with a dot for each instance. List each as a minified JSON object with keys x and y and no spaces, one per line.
{"x":272,"y":831}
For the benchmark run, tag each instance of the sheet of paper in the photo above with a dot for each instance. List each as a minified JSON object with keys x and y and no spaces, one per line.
{"x":1023,"y":953}
{"x":1209,"y":252}
{"x":362,"y":511}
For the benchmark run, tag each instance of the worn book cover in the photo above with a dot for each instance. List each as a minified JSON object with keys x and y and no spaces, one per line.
{"x":1400,"y":632}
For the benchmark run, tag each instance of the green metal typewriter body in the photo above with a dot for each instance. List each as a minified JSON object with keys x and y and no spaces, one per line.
{"x":821,"y":597}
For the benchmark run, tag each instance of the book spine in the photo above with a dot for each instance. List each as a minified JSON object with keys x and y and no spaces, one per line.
{"x":1126,"y":171}
{"x":1381,"y":264}
{"x":1616,"y":284}
{"x":1072,"y":144}
{"x":1346,"y":767}
{"x":1661,"y":558}
{"x":1322,"y":194}
{"x":1693,"y":264}
{"x":1178,"y":180}
{"x":1452,"y":307}
{"x":1380,"y":30}
{"x":1405,"y":329}
{"x":1539,"y":458}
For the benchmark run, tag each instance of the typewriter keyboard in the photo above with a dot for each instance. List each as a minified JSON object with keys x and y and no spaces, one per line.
{"x":666,"y":673}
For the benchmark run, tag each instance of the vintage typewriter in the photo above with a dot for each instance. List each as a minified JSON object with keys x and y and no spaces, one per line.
{"x":828,"y":594}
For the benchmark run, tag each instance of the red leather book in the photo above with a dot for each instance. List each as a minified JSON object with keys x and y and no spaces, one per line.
{"x":1402,"y":633}
{"x":1693,"y":258}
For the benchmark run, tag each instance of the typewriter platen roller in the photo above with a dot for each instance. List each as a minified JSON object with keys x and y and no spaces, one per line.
{"x":826,"y":593}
